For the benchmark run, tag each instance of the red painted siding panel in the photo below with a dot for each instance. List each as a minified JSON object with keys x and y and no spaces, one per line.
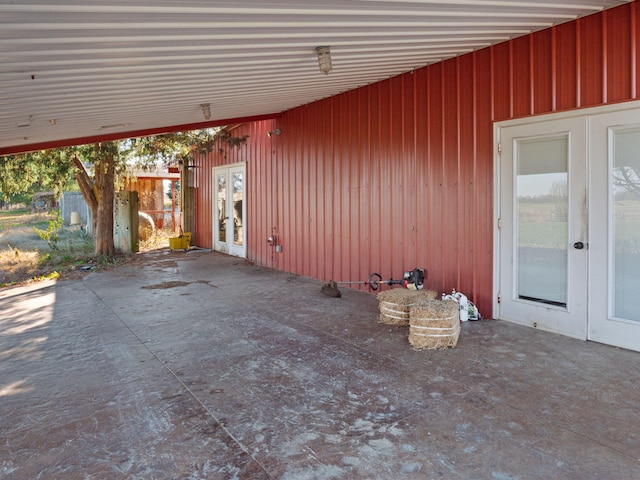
{"x":422,"y":232}
{"x":482,"y":199}
{"x":617,"y":54}
{"x":435,"y":173}
{"x":465,"y":173}
{"x":543,"y":71}
{"x":566,"y":66}
{"x":591,"y":60}
{"x":501,"y":81}
{"x":635,"y":48}
{"x":451,"y":138}
{"x":342,"y":163}
{"x":521,"y":77}
{"x":260,"y":194}
{"x":408,"y":161}
{"x":399,"y":174}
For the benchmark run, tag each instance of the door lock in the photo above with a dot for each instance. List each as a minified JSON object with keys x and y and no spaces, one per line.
{"x":578,"y":245}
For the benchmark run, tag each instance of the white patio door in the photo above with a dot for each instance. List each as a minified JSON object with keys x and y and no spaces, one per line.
{"x":615,"y":233}
{"x":542,"y":235}
{"x":568,"y":261}
{"x":229,"y":210}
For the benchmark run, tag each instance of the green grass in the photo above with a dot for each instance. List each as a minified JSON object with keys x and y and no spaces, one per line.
{"x":14,"y":213}
{"x":539,"y":226}
{"x":19,"y":218}
{"x":25,"y":256}
{"x":549,"y":234}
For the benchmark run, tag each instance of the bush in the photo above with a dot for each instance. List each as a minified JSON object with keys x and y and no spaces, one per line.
{"x":52,"y":233}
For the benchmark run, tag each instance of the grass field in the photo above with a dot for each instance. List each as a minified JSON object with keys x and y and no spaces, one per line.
{"x":540,"y":226}
{"x":25,"y":256}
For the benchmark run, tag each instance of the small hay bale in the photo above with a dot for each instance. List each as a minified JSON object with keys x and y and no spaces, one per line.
{"x":434,"y":324}
{"x":395,"y":304}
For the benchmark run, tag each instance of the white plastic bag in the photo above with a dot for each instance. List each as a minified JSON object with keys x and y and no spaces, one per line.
{"x":468,"y":310}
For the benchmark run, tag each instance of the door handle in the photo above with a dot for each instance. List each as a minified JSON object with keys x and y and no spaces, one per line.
{"x":578,"y":245}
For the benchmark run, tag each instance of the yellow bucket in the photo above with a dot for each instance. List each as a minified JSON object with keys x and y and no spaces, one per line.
{"x":181,"y":242}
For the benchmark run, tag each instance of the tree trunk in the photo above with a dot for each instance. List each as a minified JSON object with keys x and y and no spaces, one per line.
{"x":105,"y":184}
{"x":86,"y":187}
{"x":99,"y":196}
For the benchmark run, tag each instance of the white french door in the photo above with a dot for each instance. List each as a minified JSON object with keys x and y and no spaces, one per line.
{"x":542,"y":234}
{"x":568,"y":233}
{"x":615,"y":233}
{"x":229,"y":210}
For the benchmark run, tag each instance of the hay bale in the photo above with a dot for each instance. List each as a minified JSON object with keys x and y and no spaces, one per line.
{"x":434,"y":324}
{"x":395,"y":304}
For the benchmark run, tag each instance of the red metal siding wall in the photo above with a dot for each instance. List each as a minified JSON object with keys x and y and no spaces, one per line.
{"x":399,"y":174}
{"x":258,"y":155}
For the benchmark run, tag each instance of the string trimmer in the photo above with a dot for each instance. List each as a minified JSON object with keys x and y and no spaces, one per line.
{"x":413,"y":280}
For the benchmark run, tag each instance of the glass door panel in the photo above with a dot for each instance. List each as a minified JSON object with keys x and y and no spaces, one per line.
{"x":625,"y":218}
{"x":238,"y":201}
{"x":542,"y":224}
{"x":221,"y":207}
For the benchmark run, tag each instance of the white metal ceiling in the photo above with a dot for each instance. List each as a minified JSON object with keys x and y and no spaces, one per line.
{"x":80,"y":68}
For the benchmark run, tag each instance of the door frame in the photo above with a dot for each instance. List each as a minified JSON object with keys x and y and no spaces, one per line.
{"x":604,"y":326}
{"x":498,"y":183}
{"x":568,"y":318}
{"x":230,"y":248}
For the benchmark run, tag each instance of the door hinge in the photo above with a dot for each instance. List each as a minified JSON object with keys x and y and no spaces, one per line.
{"x":499,"y":223}
{"x":499,"y":148}
{"x":499,"y":298}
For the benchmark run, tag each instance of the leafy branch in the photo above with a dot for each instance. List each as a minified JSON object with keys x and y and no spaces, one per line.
{"x":52,"y":233}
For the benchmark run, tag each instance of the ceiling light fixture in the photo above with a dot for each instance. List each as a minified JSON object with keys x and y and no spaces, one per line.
{"x":324,"y":59}
{"x":206,"y":110}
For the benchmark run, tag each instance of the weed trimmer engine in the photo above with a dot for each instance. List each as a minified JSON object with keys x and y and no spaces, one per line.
{"x":414,"y":280}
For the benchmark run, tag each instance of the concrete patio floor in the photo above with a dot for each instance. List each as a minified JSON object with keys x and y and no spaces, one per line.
{"x":198,"y":365}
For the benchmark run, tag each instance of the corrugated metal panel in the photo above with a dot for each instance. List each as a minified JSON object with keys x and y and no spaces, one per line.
{"x":618,"y":41}
{"x":259,"y":154}
{"x":591,"y":61}
{"x":502,"y":81}
{"x":521,"y":76}
{"x":74,"y":202}
{"x":399,"y":174}
{"x":543,"y":71}
{"x":634,"y":18}
{"x":566,"y":79}
{"x":482,"y":245}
